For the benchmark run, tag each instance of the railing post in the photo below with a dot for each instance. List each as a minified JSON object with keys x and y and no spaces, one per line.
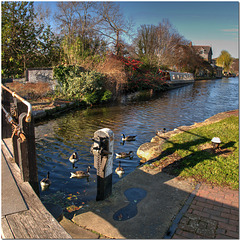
{"x":27,"y":153}
{"x":6,"y":128}
{"x":19,"y":125}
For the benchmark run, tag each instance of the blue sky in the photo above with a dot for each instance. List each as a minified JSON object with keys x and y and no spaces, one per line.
{"x":204,"y":23}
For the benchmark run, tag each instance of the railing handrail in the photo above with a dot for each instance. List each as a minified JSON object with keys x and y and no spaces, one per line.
{"x":28,"y":117}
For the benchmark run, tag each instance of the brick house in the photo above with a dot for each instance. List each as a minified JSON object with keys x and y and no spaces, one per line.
{"x":205,"y":52}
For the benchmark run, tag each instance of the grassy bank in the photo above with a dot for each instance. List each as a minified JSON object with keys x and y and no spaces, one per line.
{"x":190,"y":154}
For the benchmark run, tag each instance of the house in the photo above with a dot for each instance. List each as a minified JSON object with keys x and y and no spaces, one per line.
{"x":205,"y":52}
{"x":234,"y":68}
{"x":217,"y":69}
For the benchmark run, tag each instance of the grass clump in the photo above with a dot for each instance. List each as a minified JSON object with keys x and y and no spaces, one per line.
{"x":194,"y":156}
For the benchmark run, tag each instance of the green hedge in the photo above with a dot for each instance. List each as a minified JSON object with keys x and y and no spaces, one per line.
{"x":77,"y":84}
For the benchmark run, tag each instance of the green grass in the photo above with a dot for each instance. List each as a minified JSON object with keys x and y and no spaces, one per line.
{"x":199,"y":161}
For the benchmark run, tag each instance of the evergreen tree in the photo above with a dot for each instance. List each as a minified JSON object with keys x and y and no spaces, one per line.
{"x":19,"y":37}
{"x":25,"y":42}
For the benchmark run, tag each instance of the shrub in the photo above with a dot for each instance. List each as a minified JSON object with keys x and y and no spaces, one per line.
{"x":76,"y":83}
{"x":145,"y":81}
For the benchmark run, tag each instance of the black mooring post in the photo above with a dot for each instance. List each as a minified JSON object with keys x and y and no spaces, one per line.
{"x":104,"y":187}
{"x":102,"y":150}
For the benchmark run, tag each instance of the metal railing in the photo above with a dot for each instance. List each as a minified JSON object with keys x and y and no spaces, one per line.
{"x":18,"y":124}
{"x":28,"y":118}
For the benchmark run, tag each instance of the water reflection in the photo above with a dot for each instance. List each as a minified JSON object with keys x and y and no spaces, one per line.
{"x":57,"y":139}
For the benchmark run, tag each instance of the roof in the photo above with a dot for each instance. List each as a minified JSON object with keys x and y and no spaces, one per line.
{"x":206,"y":48}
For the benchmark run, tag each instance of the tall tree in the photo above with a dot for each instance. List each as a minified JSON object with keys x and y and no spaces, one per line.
{"x":157,"y":44}
{"x":77,"y":22}
{"x":113,"y":24}
{"x":186,"y":59}
{"x":225,"y":60}
{"x":19,"y":37}
{"x":146,"y":43}
{"x":49,"y":51}
{"x":167,"y":40}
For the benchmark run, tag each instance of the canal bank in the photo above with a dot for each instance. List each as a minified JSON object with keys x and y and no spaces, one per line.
{"x":168,"y":208}
{"x":44,"y":110}
{"x":153,"y":149}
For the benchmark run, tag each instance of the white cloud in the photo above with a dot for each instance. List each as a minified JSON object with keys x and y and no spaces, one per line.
{"x":232,"y":30}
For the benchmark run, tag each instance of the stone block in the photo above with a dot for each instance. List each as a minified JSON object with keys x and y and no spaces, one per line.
{"x":149,"y":150}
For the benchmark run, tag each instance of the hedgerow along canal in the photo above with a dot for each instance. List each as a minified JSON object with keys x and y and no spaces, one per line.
{"x":57,"y":139}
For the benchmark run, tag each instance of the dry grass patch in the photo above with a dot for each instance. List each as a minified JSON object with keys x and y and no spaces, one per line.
{"x":30,"y":91}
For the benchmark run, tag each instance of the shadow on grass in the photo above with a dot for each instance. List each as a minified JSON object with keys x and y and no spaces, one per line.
{"x":172,"y":163}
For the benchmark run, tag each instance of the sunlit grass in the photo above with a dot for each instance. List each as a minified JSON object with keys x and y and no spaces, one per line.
{"x":197,"y":159}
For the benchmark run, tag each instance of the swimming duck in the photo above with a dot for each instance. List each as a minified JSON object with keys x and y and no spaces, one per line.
{"x":80,"y":174}
{"x":159,"y":132}
{"x":119,"y":170}
{"x":128,"y":138}
{"x":45,"y":182}
{"x":73,"y":159}
{"x":124,"y":155}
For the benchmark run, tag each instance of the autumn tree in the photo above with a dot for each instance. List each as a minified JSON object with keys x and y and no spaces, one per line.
{"x":167,"y":40}
{"x":225,"y":60}
{"x":77,"y":23}
{"x":235,"y":66}
{"x":157,"y":44}
{"x":113,"y":25}
{"x":146,"y":44}
{"x":186,"y":59}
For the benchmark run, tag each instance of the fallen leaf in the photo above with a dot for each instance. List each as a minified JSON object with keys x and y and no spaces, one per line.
{"x":72,"y":208}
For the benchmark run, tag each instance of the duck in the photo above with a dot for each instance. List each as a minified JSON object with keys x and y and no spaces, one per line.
{"x":45,"y":182}
{"x":119,"y":170}
{"x":80,"y":174}
{"x":73,"y":159}
{"x":124,"y":155}
{"x":159,"y":132}
{"x":128,"y":138}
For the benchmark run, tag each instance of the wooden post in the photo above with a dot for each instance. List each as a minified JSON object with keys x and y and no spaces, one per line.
{"x":6,"y":127}
{"x":24,"y":149}
{"x":27,"y":153}
{"x":102,"y":150}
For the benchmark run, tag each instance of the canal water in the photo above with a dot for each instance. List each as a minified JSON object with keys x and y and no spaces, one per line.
{"x":57,"y":139}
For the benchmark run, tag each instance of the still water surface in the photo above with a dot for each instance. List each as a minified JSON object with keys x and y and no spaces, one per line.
{"x":57,"y":139}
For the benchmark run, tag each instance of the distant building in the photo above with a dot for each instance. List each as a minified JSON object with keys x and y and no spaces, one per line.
{"x":234,"y":68}
{"x":205,"y":52}
{"x":217,"y":69}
